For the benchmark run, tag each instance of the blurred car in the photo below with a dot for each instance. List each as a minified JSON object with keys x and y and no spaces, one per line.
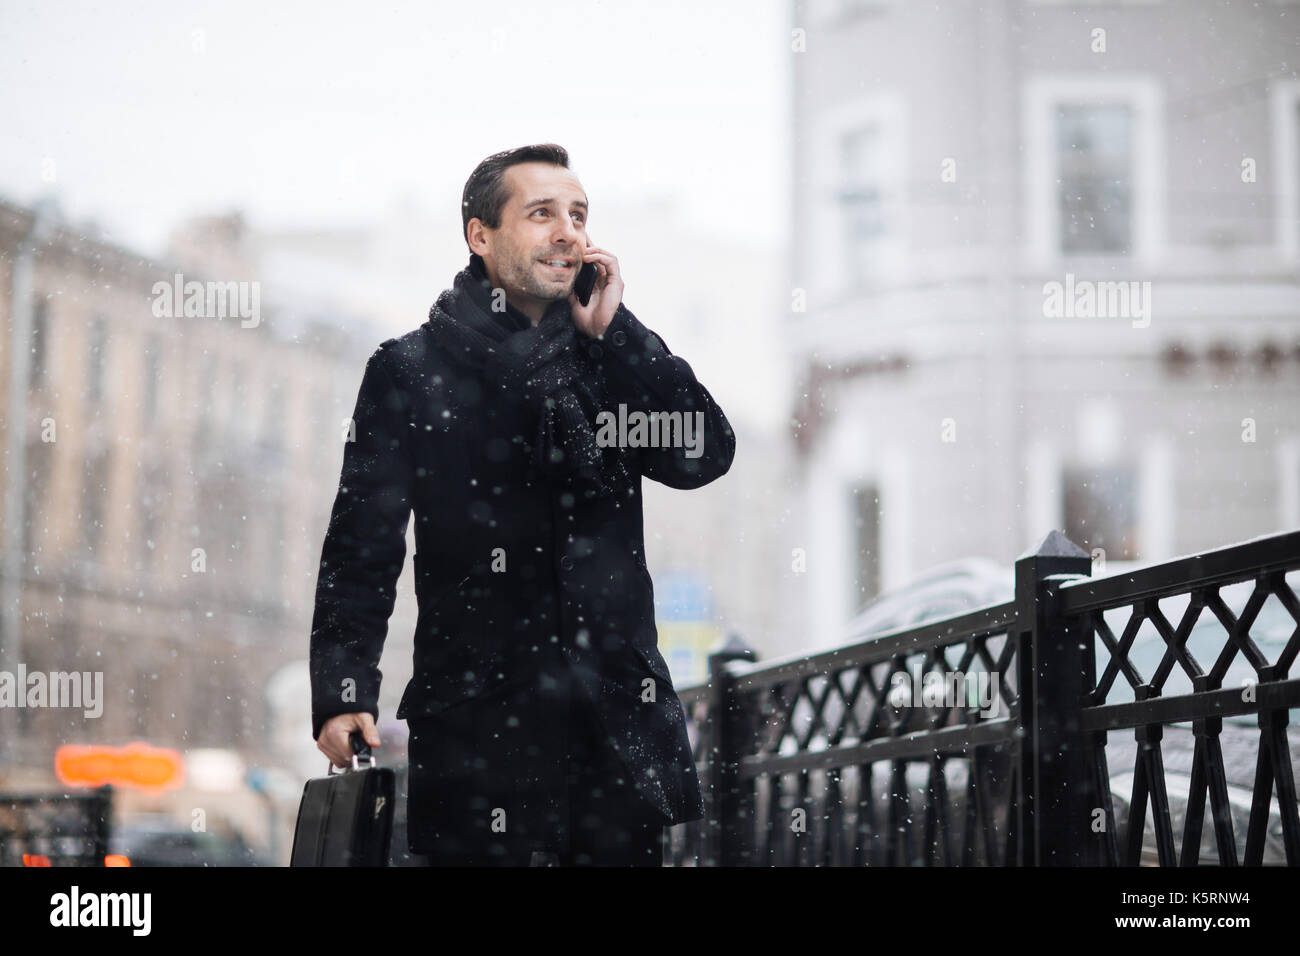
{"x":944,"y":591}
{"x":1270,"y":632}
{"x":1177,"y":788}
{"x":966,"y":585}
{"x":159,"y":840}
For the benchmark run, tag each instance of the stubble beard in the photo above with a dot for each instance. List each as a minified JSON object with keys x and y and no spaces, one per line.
{"x":521,"y":271}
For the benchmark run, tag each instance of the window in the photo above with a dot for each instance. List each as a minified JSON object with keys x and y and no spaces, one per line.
{"x":1101,"y":510}
{"x":273,"y":413}
{"x":852,"y":9}
{"x":866,"y":521}
{"x":236,"y":419}
{"x":94,"y":493}
{"x":1094,"y":147}
{"x":150,"y":510}
{"x":40,"y":460}
{"x":1286,"y":149}
{"x":152,"y":378}
{"x":834,"y":13}
{"x":1288,"y":476}
{"x":1095,"y":173}
{"x":857,"y":176}
{"x":272,"y":558}
{"x":97,"y":361}
{"x":861,"y":197}
{"x":40,"y":336}
{"x":207,"y":383}
{"x":142,"y":700}
{"x":273,"y":450}
{"x":1293,"y":492}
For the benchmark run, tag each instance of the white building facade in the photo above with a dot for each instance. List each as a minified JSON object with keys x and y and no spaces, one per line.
{"x":1044,"y":275}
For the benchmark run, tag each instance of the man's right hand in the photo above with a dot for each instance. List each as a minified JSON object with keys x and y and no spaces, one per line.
{"x":333,"y":741}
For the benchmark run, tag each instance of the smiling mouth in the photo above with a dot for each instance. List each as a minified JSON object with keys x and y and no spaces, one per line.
{"x":557,"y":265}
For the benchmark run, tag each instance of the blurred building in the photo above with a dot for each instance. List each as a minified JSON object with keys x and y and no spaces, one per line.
{"x":1045,"y":277}
{"x":714,"y":553}
{"x":175,"y":478}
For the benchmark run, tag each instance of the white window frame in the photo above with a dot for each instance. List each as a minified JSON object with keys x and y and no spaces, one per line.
{"x":1044,"y":489}
{"x":1096,"y":3}
{"x":1042,"y":94}
{"x":833,"y":13}
{"x":1286,"y":164}
{"x":1154,"y":473}
{"x":829,"y":268}
{"x":1288,"y":476}
{"x":861,"y":459}
{"x":1157,"y":498}
{"x":852,"y":455}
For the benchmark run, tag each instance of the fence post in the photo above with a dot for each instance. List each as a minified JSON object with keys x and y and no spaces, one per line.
{"x":1056,"y":790}
{"x":724,"y":809}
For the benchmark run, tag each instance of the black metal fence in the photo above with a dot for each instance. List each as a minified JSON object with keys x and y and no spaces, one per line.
{"x":982,"y":739}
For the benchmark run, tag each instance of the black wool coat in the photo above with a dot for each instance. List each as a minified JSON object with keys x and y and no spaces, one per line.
{"x":521,"y":588}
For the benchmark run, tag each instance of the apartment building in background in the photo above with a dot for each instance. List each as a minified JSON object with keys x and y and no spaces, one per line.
{"x":1055,"y":283}
{"x":176,"y":479}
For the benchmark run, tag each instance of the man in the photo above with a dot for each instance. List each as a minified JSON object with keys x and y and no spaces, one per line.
{"x":544,"y":724}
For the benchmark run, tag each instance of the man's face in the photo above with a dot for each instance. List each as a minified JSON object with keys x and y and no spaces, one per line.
{"x":545,"y":218}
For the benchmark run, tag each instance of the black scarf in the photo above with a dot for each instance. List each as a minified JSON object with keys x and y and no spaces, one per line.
{"x":537,"y":368}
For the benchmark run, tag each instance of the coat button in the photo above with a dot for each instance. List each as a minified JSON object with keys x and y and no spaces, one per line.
{"x":594,"y":350}
{"x":619,"y":337}
{"x":566,"y":562}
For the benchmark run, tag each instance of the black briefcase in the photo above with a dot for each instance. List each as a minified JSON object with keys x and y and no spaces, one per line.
{"x":346,"y":818}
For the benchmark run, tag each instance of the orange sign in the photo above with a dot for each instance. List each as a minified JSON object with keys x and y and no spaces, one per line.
{"x":136,"y":765}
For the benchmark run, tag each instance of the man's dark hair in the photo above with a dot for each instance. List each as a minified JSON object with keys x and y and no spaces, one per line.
{"x":485,"y":190}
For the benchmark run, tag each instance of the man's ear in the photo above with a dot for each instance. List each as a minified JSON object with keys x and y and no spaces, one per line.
{"x":474,"y":230}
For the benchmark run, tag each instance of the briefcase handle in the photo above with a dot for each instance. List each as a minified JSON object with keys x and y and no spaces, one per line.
{"x":359,"y":749}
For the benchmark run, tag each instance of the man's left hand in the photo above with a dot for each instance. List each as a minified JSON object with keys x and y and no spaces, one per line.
{"x":593,"y":318}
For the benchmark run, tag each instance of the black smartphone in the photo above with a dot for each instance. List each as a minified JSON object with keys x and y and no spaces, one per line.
{"x":585,"y":282}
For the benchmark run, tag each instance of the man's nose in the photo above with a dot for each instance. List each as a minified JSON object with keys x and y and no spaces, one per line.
{"x":567,"y":232}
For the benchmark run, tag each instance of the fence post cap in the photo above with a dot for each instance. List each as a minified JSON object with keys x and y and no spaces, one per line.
{"x":1055,"y":545}
{"x":733,"y":648}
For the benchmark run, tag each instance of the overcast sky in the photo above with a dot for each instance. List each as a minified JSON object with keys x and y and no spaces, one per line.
{"x":317,"y":113}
